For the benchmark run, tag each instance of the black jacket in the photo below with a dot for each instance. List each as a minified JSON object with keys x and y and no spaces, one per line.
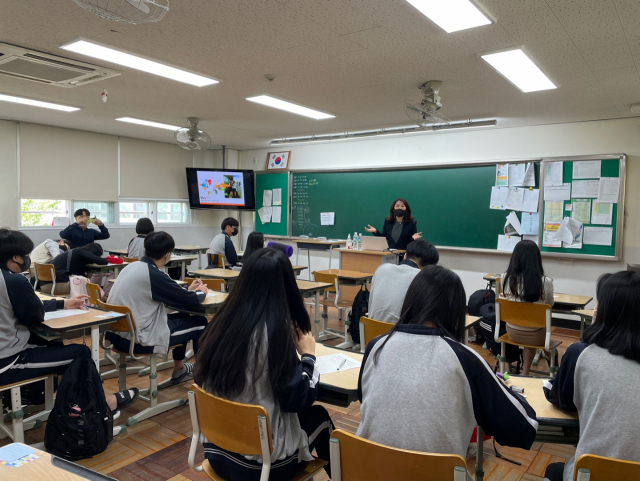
{"x":80,"y":258}
{"x":80,"y":238}
{"x":406,"y":235}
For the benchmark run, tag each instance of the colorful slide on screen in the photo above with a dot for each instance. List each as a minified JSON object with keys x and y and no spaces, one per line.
{"x":220,"y":188}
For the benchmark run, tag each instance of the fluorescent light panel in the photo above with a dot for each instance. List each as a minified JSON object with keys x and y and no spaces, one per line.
{"x":289,"y":107}
{"x":148,"y":123}
{"x":90,"y":49}
{"x":451,"y":15}
{"x":520,"y":70}
{"x":37,"y":103}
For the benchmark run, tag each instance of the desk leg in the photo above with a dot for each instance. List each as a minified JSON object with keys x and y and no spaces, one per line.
{"x":465,"y":337}
{"x":582,"y":321}
{"x":330,"y":255}
{"x":309,"y":262}
{"x":480,"y":456}
{"x":199,"y":260}
{"x":115,"y":273}
{"x":317,"y":319}
{"x":184,"y":266}
{"x":95,"y":346}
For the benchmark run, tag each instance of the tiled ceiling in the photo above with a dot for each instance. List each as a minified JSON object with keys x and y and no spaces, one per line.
{"x":356,"y":59}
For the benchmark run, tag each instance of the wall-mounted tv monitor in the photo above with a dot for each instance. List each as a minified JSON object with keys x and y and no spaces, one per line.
{"x":221,"y":189}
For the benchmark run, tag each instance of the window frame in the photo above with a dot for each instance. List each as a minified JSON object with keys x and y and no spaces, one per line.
{"x":112,"y":205}
{"x":34,"y":227}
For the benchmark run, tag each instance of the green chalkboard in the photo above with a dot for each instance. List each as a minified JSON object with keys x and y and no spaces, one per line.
{"x":450,"y":204}
{"x":268,"y":181}
{"x":609,"y":168}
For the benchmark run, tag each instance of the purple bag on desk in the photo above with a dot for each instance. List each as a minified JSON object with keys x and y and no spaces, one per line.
{"x":288,"y":250}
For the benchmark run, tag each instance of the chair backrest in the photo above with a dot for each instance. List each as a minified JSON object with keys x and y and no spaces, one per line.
{"x":122,"y":325}
{"x":523,"y":314}
{"x":230,"y":425}
{"x":212,"y":284}
{"x":328,"y":278}
{"x":370,"y":328}
{"x":94,"y":293}
{"x":590,"y":467}
{"x":215,"y":260}
{"x":45,"y":272}
{"x":369,"y":461}
{"x":130,"y":259}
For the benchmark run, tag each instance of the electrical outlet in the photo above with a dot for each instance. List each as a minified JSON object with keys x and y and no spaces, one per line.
{"x":255,"y":159}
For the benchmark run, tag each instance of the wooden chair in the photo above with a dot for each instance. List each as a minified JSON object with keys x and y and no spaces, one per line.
{"x":94,"y":293}
{"x":130,"y":259}
{"x":19,"y":423}
{"x":369,"y":461}
{"x":128,"y":325}
{"x":370,"y":328}
{"x":336,"y":302}
{"x":590,"y":467}
{"x":525,"y":314}
{"x":215,"y":260}
{"x":236,"y":427}
{"x":46,"y":273}
{"x":212,"y":284}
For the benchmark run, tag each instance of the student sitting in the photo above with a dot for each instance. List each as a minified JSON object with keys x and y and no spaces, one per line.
{"x":144,"y":227}
{"x":221,"y":244}
{"x":21,"y":309}
{"x":73,"y":263}
{"x":145,"y":289}
{"x":248,"y":355}
{"x":255,"y":242}
{"x":525,"y":281}
{"x":79,"y":234}
{"x":422,"y":389}
{"x":599,"y":377}
{"x":48,"y":250}
{"x":390,"y":282}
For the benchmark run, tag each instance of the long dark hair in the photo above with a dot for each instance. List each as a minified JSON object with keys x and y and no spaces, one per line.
{"x":407,"y":215}
{"x":436,"y":295}
{"x":255,"y":241}
{"x":525,"y":275}
{"x":265,"y":296}
{"x":616,"y":327}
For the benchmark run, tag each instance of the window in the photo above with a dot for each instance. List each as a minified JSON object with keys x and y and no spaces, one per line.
{"x":101,"y":210}
{"x":172,"y":213}
{"x":44,"y":212}
{"x":130,"y":212}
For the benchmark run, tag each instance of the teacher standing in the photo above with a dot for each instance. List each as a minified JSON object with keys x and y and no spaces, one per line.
{"x":400,"y":228}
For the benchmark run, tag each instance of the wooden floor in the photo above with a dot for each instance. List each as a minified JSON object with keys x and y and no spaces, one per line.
{"x":157,"y":449}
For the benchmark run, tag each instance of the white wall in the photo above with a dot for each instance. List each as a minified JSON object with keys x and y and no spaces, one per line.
{"x":205,"y":224}
{"x":584,"y":138}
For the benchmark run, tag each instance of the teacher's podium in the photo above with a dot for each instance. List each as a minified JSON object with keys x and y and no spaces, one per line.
{"x":364,"y":261}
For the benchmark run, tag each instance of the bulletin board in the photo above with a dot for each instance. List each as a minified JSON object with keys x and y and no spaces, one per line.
{"x":612,"y":165}
{"x":270,"y":181}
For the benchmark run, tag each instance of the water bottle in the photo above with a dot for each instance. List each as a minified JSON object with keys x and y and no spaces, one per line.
{"x":355,"y":241}
{"x":349,"y":243}
{"x":360,"y":241}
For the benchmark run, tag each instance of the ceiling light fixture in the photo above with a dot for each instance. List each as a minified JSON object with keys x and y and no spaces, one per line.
{"x":468,"y":124}
{"x":452,"y":15}
{"x":148,"y":123}
{"x":516,"y":66}
{"x":109,"y":54}
{"x":289,"y":107}
{"x":37,"y":103}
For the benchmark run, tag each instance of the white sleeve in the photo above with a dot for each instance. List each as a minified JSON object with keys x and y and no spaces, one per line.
{"x":548,"y":291}
{"x":52,"y":247}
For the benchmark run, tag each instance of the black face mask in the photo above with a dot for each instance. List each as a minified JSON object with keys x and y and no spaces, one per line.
{"x":399,"y":212}
{"x":26,"y":263}
{"x":235,"y":231}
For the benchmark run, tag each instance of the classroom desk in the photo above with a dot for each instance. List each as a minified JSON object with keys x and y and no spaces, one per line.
{"x":180,"y":283}
{"x":470,"y":321}
{"x":555,"y":426}
{"x":117,"y":252}
{"x":367,"y":261}
{"x":209,"y":306}
{"x":115,"y":268}
{"x":181,"y":261}
{"x":228,"y":275}
{"x":310,"y":289}
{"x":50,"y":468}
{"x":585,"y":314}
{"x":338,"y":388}
{"x":316,"y":245}
{"x":197,"y":250}
{"x":491,"y":279}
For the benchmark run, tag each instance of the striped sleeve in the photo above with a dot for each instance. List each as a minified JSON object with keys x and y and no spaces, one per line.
{"x":303,"y":385}
{"x":498,"y":411}
{"x":559,"y":391}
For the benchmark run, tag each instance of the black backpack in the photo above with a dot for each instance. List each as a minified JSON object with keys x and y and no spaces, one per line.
{"x":80,"y":424}
{"x":487,"y":326}
{"x":360,"y":308}
{"x":479,"y":299}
